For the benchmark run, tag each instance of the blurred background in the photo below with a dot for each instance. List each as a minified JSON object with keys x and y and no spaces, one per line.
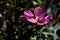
{"x":11,"y":27}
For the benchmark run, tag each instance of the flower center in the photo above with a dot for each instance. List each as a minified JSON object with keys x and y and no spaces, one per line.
{"x":37,"y":18}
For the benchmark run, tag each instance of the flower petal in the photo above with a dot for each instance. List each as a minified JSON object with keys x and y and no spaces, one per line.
{"x":38,"y":23}
{"x":39,"y":12}
{"x":29,"y":16}
{"x":28,"y":13}
{"x":48,"y":17}
{"x":43,"y":23}
{"x":32,"y":20}
{"x":46,"y":22}
{"x":23,"y":19}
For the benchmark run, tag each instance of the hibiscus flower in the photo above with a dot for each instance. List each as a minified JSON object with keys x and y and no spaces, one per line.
{"x":39,"y":17}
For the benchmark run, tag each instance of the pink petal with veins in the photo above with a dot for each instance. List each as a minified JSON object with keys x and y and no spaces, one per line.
{"x":28,"y":13}
{"x":49,"y":16}
{"x":29,"y":16}
{"x":38,"y":23}
{"x":39,"y":12}
{"x":32,"y":20}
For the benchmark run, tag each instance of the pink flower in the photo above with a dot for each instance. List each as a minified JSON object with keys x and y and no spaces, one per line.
{"x":38,"y":17}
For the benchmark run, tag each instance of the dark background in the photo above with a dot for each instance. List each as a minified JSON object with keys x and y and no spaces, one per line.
{"x":10,"y":12}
